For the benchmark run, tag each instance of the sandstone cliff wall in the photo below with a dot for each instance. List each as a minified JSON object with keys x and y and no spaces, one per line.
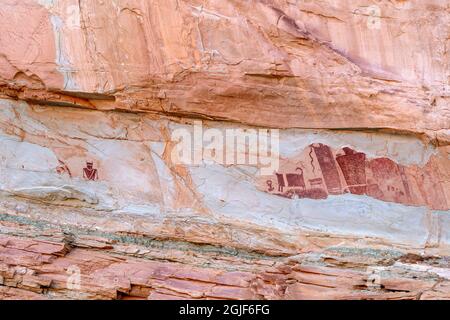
{"x":358,"y":208}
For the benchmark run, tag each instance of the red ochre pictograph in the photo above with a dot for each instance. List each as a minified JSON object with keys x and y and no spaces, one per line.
{"x":319,"y":172}
{"x":89,"y":173}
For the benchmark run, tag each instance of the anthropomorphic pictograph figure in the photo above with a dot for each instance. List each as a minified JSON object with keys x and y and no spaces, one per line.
{"x":89,"y":173}
{"x":270,"y":187}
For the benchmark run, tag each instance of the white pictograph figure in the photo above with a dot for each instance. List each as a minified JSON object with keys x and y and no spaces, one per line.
{"x":374,"y":17}
{"x":73,"y":17}
{"x":89,"y":173}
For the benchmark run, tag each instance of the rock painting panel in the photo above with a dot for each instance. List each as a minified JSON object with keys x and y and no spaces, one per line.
{"x":318,"y":172}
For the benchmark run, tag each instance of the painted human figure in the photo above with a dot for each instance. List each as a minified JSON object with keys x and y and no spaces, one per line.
{"x":89,"y":173}
{"x":353,"y":166}
{"x":280,"y":180}
{"x":270,"y":187}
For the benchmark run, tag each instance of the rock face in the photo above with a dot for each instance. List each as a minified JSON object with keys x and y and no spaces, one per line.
{"x":261,"y":149}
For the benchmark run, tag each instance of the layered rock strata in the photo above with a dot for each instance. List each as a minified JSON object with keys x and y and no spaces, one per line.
{"x":96,"y":201}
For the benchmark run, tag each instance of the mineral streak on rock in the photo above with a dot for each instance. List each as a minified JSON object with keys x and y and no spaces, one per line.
{"x":93,"y":204}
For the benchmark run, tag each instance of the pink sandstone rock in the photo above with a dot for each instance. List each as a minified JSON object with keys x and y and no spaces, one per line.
{"x":96,"y":204}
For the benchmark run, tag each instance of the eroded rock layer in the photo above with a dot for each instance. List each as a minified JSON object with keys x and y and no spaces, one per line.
{"x":97,"y":202}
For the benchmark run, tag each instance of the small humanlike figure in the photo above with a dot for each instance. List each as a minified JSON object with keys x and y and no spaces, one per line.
{"x":89,"y":173}
{"x":281,"y":183}
{"x":270,"y":187}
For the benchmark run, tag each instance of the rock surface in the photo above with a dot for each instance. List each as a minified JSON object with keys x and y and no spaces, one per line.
{"x":95,"y":202}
